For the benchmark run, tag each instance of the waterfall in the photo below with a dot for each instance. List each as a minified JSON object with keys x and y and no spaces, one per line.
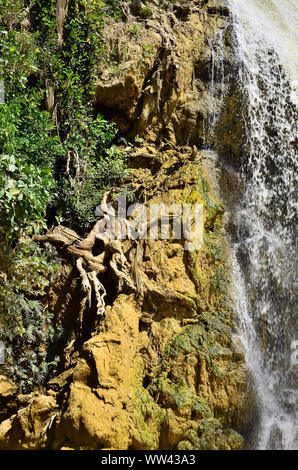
{"x":265,"y":249}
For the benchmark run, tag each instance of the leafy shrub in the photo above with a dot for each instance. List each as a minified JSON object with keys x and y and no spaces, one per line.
{"x":91,"y":163}
{"x":26,"y":337}
{"x":36,"y":165}
{"x":25,"y":191}
{"x":66,"y":160}
{"x":27,"y":153}
{"x":25,"y":324}
{"x":80,"y":199}
{"x":25,"y":130}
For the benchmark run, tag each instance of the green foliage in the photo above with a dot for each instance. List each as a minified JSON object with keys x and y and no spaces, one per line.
{"x":182,"y":396}
{"x":219,"y":279}
{"x":25,"y":131}
{"x":26,"y":338}
{"x":66,"y":160}
{"x":95,"y":164}
{"x":25,"y":191}
{"x":35,"y":154}
{"x":18,"y":49}
{"x":134,"y":30}
{"x":214,"y":209}
{"x":27,"y":152}
{"x":27,"y":155}
{"x":114,"y":9}
{"x":98,"y":175}
{"x":214,"y":249}
{"x":25,"y":325}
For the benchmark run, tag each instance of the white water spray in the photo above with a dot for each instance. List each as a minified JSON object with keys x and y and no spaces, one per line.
{"x":265,"y":253}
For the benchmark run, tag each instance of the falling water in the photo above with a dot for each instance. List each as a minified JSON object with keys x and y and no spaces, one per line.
{"x":265,"y":251}
{"x":217,"y":85}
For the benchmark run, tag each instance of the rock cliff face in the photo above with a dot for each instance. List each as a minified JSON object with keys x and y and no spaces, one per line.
{"x":162,"y":78}
{"x":161,"y":369}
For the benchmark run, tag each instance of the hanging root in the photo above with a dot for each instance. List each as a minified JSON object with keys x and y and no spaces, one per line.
{"x":137,"y":272}
{"x":90,"y":283}
{"x":98,"y":287}
{"x":123,"y":276}
{"x":90,"y":266}
{"x":86,"y":286}
{"x":85,"y":281}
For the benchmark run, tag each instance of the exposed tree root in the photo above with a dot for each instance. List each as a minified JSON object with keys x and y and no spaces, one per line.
{"x":90,"y":267}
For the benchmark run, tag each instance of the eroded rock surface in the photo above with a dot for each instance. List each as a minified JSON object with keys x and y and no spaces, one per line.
{"x":162,"y":77}
{"x":159,"y":368}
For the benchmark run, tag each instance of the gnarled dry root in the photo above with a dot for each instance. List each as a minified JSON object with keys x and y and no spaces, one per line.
{"x":91,"y":266}
{"x":87,"y":289}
